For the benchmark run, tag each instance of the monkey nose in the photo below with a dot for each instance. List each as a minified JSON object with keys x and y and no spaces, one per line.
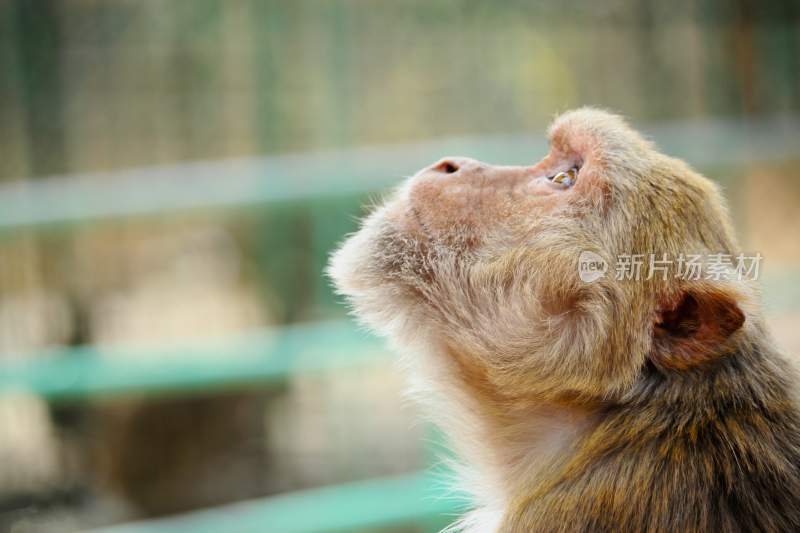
{"x":454,"y":165}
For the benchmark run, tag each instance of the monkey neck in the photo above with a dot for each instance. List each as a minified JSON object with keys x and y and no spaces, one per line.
{"x":529,"y":442}
{"x":507,"y":449}
{"x":507,"y":444}
{"x":730,"y":430}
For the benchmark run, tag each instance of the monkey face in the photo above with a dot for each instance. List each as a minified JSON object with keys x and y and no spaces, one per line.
{"x":461,"y":199}
{"x":481,"y":260}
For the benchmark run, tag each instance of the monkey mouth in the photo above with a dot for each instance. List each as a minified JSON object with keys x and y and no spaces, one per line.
{"x":459,"y":240}
{"x":418,"y":225}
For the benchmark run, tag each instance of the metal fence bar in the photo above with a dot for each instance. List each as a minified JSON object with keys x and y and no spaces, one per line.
{"x":255,"y":182}
{"x":259,"y":358}
{"x":396,"y":501}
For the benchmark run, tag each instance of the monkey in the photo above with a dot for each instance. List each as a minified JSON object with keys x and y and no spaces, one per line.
{"x":625,"y":403}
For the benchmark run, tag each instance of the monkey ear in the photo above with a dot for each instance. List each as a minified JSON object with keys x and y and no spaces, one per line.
{"x":694,"y":327}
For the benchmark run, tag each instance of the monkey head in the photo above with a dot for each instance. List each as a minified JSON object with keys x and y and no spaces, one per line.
{"x":478,"y":264}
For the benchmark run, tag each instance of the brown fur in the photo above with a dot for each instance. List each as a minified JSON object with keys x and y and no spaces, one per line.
{"x":633,"y":405}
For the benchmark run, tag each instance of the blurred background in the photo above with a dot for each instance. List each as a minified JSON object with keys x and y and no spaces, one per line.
{"x":174,"y":174}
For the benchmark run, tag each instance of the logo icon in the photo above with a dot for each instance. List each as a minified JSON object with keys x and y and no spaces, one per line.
{"x":591,"y":266}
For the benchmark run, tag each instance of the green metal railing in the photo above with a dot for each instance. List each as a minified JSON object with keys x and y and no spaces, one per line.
{"x":415,"y":499}
{"x":260,"y":359}
{"x":256,"y":183}
{"x":311,"y":182}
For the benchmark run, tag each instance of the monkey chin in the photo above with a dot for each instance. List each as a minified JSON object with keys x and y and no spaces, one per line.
{"x":372,"y":267}
{"x":389,"y":270}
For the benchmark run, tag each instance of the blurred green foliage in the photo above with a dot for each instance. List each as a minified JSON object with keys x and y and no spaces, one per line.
{"x":95,"y":85}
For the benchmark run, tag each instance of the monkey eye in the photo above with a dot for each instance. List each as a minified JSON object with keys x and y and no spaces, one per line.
{"x":567,"y":177}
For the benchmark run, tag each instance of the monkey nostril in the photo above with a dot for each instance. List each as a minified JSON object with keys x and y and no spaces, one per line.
{"x":446,"y":167}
